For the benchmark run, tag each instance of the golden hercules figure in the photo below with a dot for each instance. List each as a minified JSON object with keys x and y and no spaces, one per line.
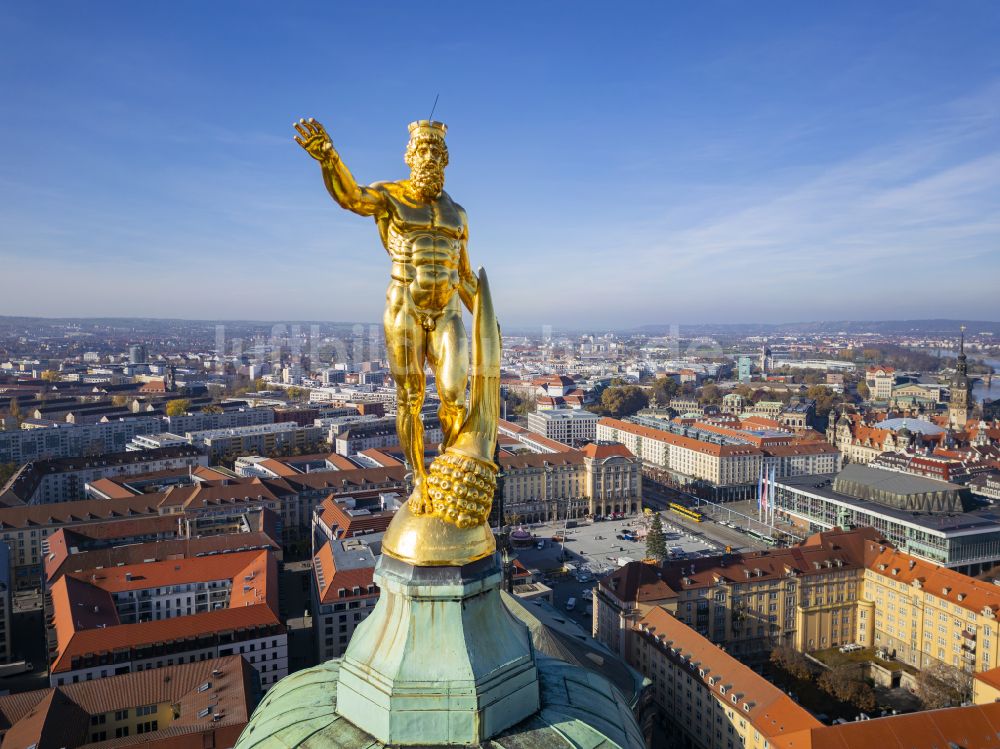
{"x":425,"y":233}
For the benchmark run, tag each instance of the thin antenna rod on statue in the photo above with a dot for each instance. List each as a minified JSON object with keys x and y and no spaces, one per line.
{"x":431,"y":117}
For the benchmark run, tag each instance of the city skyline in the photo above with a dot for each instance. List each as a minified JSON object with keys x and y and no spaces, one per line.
{"x":798,"y":165}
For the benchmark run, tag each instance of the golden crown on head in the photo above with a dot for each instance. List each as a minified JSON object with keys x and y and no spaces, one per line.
{"x":431,"y":127}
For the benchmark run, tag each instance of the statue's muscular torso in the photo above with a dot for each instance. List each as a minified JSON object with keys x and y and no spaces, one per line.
{"x":424,"y":241}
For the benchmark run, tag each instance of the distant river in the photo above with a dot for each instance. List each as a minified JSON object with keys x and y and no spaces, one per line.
{"x":979,"y":390}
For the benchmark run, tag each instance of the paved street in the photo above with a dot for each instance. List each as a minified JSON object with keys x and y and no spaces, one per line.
{"x":27,"y":644}
{"x":296,"y":578}
{"x":743,"y":514}
{"x":595,"y":547}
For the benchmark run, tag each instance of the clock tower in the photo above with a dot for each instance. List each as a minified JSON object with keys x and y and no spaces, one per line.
{"x":959,"y":402}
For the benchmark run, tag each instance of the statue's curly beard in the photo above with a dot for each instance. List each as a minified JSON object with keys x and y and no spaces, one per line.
{"x":427,"y":181}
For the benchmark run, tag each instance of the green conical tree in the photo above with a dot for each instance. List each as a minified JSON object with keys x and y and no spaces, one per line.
{"x":656,"y":542}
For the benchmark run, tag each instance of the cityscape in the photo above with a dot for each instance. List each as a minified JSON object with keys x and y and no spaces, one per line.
{"x":740,"y":494}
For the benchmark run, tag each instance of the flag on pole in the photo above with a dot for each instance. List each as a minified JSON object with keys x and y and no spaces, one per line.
{"x":763,"y":496}
{"x":760,"y":491}
{"x":773,"y":489}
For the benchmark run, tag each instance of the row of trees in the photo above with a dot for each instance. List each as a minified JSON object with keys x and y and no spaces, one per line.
{"x":791,"y":661}
{"x":937,"y":686}
{"x":843,"y":682}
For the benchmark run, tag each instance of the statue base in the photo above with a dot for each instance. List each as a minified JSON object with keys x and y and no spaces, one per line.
{"x":427,"y":540}
{"x":440,"y":660}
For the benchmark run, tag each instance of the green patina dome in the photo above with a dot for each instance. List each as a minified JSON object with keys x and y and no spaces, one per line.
{"x":579,"y":710}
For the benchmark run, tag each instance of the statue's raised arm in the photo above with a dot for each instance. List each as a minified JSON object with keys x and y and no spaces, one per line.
{"x":340,"y":183}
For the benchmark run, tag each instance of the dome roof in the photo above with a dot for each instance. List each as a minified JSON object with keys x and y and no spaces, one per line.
{"x":912,"y":425}
{"x":579,"y":709}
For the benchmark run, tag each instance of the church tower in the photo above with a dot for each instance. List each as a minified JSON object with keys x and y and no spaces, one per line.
{"x":766,"y":360}
{"x":959,"y":403}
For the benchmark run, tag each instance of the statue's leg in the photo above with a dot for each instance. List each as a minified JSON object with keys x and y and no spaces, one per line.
{"x":448,"y":351}
{"x":405,"y":348}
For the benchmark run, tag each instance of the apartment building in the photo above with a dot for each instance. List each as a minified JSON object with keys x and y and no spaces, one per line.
{"x":600,"y":479}
{"x":532,"y":441}
{"x":706,"y":695}
{"x":259,"y":439}
{"x":570,"y":425}
{"x":65,"y":479}
{"x":375,"y":433}
{"x":686,"y":459}
{"x":343,"y":591}
{"x":178,"y":512}
{"x":804,"y":596}
{"x":924,"y":614}
{"x":131,"y":618}
{"x":25,"y":529}
{"x":75,"y":552}
{"x":709,"y":700}
{"x":73,"y":440}
{"x":200,"y":421}
{"x":880,"y":381}
{"x":835,"y":588}
{"x":357,"y":514}
{"x":724,"y":455}
{"x":310,"y":489}
{"x":202,"y":704}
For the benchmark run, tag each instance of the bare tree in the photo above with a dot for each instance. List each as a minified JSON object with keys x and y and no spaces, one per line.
{"x":941,"y":685}
{"x":846,"y":684}
{"x":791,"y":661}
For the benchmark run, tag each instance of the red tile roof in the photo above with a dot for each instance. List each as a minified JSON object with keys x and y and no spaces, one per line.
{"x":111,"y":488}
{"x":772,"y":712}
{"x":967,"y":592}
{"x":86,"y":619}
{"x":125,"y":636}
{"x":330,"y":579}
{"x":707,"y":448}
{"x":60,"y":716}
{"x":347,"y":523}
{"x":604,"y":450}
{"x":972,"y":727}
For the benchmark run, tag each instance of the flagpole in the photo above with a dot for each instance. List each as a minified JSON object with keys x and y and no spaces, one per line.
{"x":760,"y":491}
{"x":774,"y":493}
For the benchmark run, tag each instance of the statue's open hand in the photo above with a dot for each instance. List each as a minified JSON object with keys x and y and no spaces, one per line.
{"x":314,"y":140}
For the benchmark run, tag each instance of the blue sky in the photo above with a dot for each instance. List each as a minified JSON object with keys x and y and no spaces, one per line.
{"x":621,"y":163}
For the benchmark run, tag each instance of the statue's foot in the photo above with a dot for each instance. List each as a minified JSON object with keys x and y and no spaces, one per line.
{"x":418,"y":498}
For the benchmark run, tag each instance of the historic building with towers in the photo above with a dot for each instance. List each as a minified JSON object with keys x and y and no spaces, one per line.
{"x":960,"y":400}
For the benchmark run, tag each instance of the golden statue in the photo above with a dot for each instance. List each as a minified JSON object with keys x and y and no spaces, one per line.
{"x":425,"y":233}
